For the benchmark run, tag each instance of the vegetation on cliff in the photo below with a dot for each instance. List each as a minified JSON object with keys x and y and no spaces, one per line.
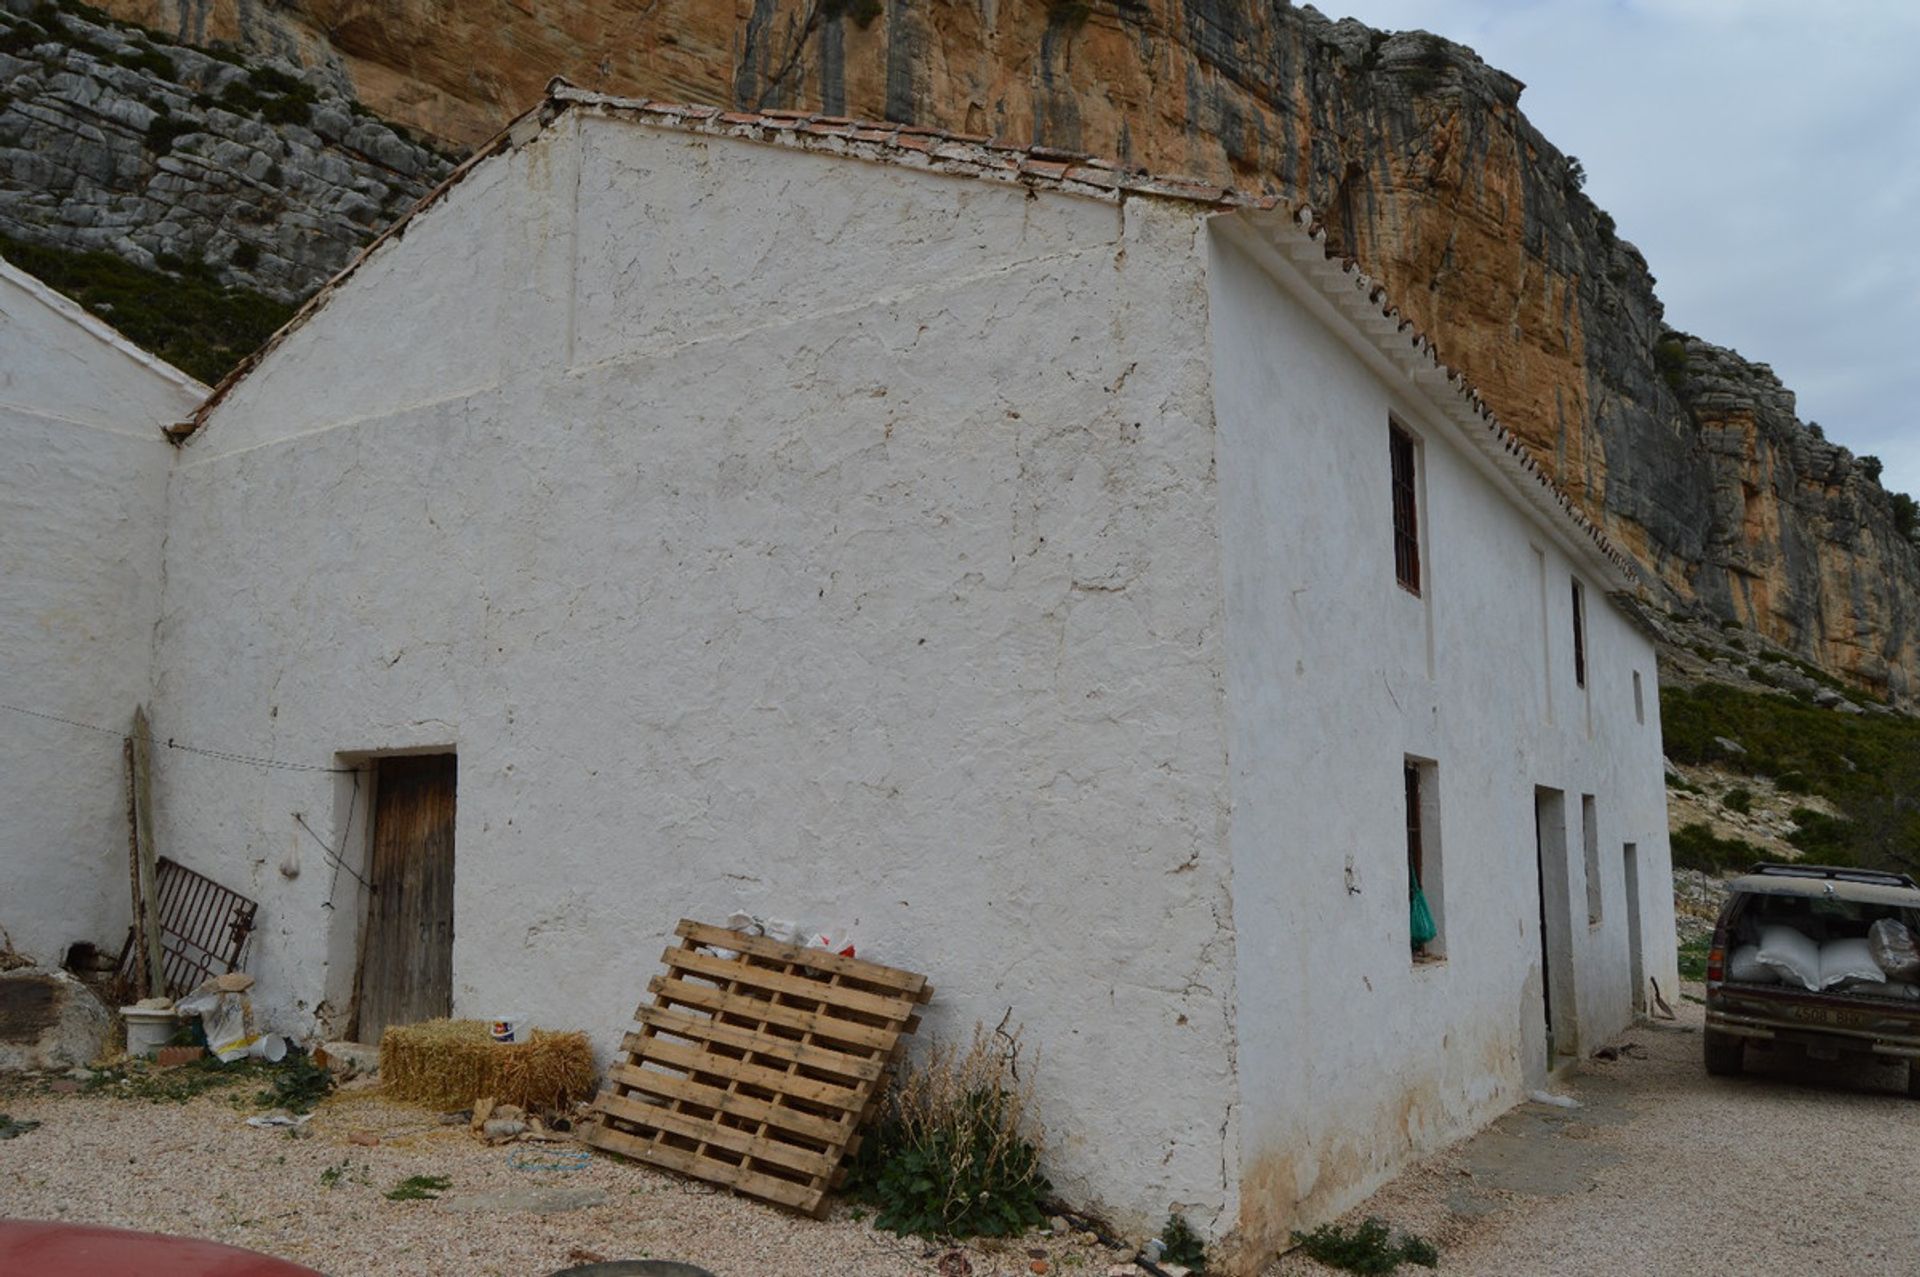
{"x":1866,"y":766}
{"x":182,"y":313}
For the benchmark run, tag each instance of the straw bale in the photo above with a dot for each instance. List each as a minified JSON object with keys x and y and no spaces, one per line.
{"x":449,"y":1064}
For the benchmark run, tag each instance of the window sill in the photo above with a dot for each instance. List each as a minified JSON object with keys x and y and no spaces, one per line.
{"x":1428,"y":961}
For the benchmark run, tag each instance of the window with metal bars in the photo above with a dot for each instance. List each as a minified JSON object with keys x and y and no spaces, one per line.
{"x":1579,"y":636}
{"x":1406,"y":511}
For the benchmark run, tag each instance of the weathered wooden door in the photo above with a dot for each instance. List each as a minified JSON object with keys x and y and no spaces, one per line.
{"x":406,"y":963}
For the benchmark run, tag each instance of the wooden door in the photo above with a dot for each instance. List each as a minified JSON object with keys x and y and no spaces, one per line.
{"x":406,"y":962}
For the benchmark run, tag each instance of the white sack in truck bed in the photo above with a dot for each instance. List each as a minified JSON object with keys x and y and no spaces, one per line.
{"x":1795,"y":956}
{"x":1893,"y":949}
{"x":1844,"y":960}
{"x":1744,"y":967}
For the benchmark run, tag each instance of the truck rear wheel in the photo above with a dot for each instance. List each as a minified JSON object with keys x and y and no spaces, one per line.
{"x":1726,"y":1055}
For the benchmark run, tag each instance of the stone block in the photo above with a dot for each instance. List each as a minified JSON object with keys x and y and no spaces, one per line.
{"x":49,"y":1020}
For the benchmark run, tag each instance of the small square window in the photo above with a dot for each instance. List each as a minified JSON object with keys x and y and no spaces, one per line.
{"x":1406,"y":509}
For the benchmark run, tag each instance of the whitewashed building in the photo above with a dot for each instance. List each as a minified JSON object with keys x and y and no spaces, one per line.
{"x":1072,"y":582}
{"x":82,"y":506}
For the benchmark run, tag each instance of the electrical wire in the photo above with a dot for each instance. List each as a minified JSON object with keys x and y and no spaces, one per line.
{"x":223,"y":755}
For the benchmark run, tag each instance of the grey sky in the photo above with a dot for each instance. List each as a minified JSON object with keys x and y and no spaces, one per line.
{"x":1764,"y":155}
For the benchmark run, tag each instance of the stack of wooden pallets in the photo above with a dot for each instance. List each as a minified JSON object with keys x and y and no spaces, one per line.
{"x":755,"y":1064}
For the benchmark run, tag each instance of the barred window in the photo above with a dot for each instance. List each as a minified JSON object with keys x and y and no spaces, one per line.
{"x":1406,"y":513}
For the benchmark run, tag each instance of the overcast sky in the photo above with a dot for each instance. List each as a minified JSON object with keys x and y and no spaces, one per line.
{"x":1764,"y":155}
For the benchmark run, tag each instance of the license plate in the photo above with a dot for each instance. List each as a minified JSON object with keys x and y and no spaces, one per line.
{"x":1834,"y":1016}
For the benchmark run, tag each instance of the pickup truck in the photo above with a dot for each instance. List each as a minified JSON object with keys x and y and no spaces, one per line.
{"x":1753,"y":1006}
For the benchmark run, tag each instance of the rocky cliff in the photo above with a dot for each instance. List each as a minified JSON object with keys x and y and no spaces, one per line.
{"x":118,"y":140}
{"x":1413,"y":148}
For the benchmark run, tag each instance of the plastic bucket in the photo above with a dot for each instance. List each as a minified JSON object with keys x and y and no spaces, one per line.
{"x":148,"y":1028}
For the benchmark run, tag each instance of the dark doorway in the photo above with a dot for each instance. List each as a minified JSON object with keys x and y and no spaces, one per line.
{"x":406,"y":959}
{"x":1557,"y":1004}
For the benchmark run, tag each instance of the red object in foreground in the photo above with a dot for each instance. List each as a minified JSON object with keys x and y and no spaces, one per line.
{"x":35,"y":1248}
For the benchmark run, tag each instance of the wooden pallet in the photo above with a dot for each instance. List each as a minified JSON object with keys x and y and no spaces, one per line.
{"x":755,"y":1071}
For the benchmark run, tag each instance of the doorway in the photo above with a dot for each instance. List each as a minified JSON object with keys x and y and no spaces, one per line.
{"x":406,"y":957}
{"x":1558,"y":1009}
{"x":1636,"y":959}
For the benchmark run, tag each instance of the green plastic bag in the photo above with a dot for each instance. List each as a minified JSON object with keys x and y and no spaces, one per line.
{"x":1424,"y":929}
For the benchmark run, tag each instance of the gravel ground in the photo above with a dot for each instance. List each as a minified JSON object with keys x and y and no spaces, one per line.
{"x":197,"y":1169}
{"x":1797,"y":1169}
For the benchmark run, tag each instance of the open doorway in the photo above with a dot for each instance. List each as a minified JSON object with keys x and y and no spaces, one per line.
{"x":1557,"y":1005}
{"x":1636,"y":958}
{"x":406,"y":954}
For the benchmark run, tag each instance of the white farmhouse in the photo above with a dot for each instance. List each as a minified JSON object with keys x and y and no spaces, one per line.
{"x":82,"y":501}
{"x":1070,"y":582}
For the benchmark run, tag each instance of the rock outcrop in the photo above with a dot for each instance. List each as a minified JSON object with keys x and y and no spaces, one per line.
{"x":169,"y":157}
{"x":49,"y":1020}
{"x":1413,"y":148}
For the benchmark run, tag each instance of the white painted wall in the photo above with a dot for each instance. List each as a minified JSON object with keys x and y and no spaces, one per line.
{"x":803,"y":535}
{"x":82,"y":497}
{"x":1352,"y":1059}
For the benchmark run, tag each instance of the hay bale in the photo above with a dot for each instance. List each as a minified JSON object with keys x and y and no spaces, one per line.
{"x":451,"y":1063}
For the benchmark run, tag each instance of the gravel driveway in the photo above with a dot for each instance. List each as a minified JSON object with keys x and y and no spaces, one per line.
{"x":1793,"y":1170}
{"x":317,"y":1198}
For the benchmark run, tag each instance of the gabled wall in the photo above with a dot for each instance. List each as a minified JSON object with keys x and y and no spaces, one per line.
{"x":82,"y":500}
{"x":765,"y":531}
{"x":1352,"y":1057}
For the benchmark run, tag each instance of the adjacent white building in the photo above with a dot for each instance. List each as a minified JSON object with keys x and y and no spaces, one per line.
{"x":82,"y":507}
{"x":1071,"y":582}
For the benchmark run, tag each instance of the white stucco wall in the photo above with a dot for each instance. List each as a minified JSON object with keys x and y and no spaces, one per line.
{"x":82,"y":497}
{"x":1351,"y":1057}
{"x":765,"y":531}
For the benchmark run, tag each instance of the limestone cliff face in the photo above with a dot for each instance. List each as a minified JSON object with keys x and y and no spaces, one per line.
{"x":1413,"y":148}
{"x":112,"y":141}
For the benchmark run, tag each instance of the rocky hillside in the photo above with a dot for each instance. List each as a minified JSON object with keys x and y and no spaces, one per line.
{"x":1414,"y":149}
{"x":219,"y":171}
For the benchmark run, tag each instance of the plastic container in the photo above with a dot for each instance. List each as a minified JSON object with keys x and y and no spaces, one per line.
{"x":148,"y":1029}
{"x":509,"y":1028}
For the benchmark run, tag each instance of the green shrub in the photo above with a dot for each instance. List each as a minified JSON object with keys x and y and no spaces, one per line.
{"x":1739,"y":799}
{"x":419,"y":1188}
{"x":1183,"y":1245}
{"x":953,"y":1152}
{"x":1906,"y":513}
{"x":165,"y":129}
{"x":1368,"y":1247}
{"x":1696,"y":846}
{"x":147,"y":59}
{"x":297,"y":1084}
{"x":1822,"y":838}
{"x":1692,"y":958}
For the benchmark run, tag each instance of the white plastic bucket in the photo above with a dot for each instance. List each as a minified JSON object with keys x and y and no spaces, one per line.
{"x":509,"y":1028}
{"x":148,"y":1028}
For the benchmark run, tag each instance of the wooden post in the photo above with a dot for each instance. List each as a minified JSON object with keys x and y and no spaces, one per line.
{"x":146,"y":903}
